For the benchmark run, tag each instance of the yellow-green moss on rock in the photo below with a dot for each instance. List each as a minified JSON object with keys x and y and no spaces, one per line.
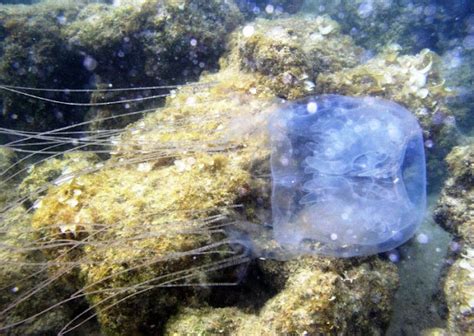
{"x":456,"y":203}
{"x":454,"y":212}
{"x":320,"y":296}
{"x":459,"y":292}
{"x":287,"y":54}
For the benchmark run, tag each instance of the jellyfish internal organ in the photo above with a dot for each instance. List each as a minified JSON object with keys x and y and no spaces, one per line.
{"x":348,"y":175}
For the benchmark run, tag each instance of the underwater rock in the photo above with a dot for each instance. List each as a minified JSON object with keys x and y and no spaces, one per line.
{"x":313,"y":300}
{"x":207,"y":321}
{"x":135,"y":44}
{"x":168,"y":192}
{"x":454,"y":213}
{"x":459,"y":293}
{"x":348,"y":175}
{"x":319,"y":300}
{"x":287,"y":54}
{"x":54,"y":170}
{"x":142,"y":43}
{"x":34,"y":53}
{"x":456,"y":69}
{"x":415,"y":24}
{"x":19,"y":275}
{"x":454,"y":210}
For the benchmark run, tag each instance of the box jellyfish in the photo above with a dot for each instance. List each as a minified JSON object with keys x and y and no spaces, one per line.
{"x":348,"y":175}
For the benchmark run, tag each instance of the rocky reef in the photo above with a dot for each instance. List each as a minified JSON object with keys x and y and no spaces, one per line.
{"x":76,"y":45}
{"x":35,"y":53}
{"x":146,"y":237}
{"x":143,"y":226}
{"x":413,"y":24}
{"x":454,"y":213}
{"x":311,"y":299}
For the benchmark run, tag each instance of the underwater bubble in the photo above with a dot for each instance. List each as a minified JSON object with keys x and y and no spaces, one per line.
{"x":248,"y":30}
{"x":353,"y":179}
{"x":89,"y":63}
{"x":394,"y":256}
{"x":269,"y":9}
{"x":422,"y":238}
{"x":429,"y":143}
{"x":312,"y":107}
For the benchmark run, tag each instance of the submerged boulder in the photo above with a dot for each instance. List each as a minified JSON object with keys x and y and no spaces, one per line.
{"x":455,"y":213}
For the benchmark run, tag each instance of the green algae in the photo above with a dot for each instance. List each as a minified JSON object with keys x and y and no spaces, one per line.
{"x":287,"y":54}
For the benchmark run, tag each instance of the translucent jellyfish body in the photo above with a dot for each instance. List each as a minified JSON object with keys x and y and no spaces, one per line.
{"x":348,"y":175}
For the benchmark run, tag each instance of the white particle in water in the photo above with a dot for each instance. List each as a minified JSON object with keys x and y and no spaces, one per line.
{"x":269,"y":9}
{"x":333,"y":236}
{"x":312,"y":107}
{"x":422,"y":238}
{"x":394,"y":257}
{"x":248,"y":30}
{"x":89,"y":63}
{"x":429,"y":144}
{"x":193,"y":42}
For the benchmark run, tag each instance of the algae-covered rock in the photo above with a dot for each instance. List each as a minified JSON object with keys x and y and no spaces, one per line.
{"x":142,"y":218}
{"x":207,"y":321}
{"x":343,"y":298}
{"x":287,"y":54}
{"x":198,"y":156}
{"x":456,"y":204}
{"x":459,"y":292}
{"x":455,"y":213}
{"x":413,"y":24}
{"x":8,"y":159}
{"x":65,"y":167}
{"x":60,"y":45}
{"x":148,"y":43}
{"x":36,"y":54}
{"x":23,"y":271}
{"x":315,"y":299}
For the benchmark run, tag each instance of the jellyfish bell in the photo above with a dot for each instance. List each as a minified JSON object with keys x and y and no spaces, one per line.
{"x":348,"y":179}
